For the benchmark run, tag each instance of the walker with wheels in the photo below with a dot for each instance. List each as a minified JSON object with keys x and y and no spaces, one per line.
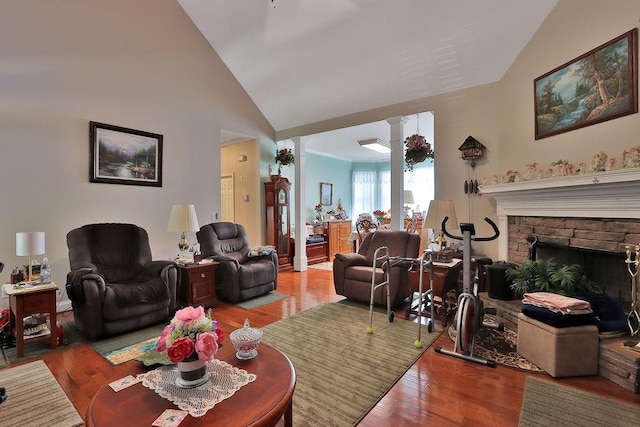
{"x":382,"y":260}
{"x":470,"y":313}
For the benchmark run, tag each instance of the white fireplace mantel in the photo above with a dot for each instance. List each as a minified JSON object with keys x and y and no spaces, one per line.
{"x":614,"y":194}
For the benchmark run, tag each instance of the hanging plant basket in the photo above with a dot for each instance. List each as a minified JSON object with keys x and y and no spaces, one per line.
{"x":417,"y":151}
{"x":284,"y":157}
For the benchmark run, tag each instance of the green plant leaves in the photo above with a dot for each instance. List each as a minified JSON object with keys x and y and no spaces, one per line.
{"x":546,"y":275}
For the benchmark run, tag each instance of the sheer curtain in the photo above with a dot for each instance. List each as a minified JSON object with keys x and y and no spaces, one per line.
{"x":364,"y":192}
{"x":420,"y":181}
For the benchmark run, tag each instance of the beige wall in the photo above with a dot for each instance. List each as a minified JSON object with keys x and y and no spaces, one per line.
{"x":140,"y":64}
{"x":501,"y":116}
{"x":246,"y":182}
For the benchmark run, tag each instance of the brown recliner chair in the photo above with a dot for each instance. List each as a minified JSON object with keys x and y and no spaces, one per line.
{"x":240,"y":275}
{"x":114,"y":286}
{"x":352,"y":271}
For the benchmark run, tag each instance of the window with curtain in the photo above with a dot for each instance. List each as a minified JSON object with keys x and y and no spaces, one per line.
{"x":420,"y":181}
{"x":364,"y":192}
{"x":372,"y":189}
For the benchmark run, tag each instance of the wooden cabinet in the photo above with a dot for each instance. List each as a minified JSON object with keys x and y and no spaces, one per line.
{"x":338,"y":233}
{"x":198,"y":285}
{"x":316,"y":252}
{"x":278,"y":218}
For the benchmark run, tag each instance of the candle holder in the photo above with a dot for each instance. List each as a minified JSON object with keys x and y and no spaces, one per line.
{"x":632,"y":261}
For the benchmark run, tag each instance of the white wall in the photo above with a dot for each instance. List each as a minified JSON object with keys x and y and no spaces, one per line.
{"x":139,"y":64}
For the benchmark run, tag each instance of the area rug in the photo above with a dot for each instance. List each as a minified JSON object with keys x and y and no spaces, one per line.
{"x":499,"y":346}
{"x":261,"y":300}
{"x":342,"y":371}
{"x":34,"y":398}
{"x":327,"y":266}
{"x":127,"y":346}
{"x":71,"y":337}
{"x":546,"y":403}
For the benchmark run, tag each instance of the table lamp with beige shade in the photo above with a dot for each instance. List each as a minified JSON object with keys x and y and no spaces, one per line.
{"x":438,"y":210}
{"x":408,"y":200}
{"x":30,"y":243}
{"x":183,"y":218}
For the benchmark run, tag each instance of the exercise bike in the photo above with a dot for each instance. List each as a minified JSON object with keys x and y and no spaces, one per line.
{"x":470,"y":312}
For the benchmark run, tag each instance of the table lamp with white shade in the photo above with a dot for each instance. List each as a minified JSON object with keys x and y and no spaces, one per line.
{"x":408,"y":200}
{"x":29,"y":243}
{"x":183,"y":218}
{"x":438,"y":210}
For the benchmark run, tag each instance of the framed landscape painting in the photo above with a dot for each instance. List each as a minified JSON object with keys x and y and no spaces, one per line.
{"x":598,"y":86}
{"x":124,"y":156}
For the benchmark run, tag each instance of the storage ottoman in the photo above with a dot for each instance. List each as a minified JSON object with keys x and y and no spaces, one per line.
{"x":561,"y":352}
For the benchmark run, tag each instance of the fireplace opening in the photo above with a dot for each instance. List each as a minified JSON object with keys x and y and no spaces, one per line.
{"x":607,"y":269}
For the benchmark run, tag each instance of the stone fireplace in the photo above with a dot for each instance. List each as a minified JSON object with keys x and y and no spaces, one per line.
{"x":583,"y":219}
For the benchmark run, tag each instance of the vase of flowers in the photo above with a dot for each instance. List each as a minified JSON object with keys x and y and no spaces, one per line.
{"x":379,"y":214}
{"x":318,"y":209}
{"x":417,"y":151}
{"x":191,"y":340}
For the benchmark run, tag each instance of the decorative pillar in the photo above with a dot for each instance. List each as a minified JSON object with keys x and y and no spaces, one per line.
{"x":397,"y":171}
{"x":300,"y":257}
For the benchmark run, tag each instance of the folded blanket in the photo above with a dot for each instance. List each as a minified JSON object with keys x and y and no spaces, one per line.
{"x":557,"y":303}
{"x":558,"y":320}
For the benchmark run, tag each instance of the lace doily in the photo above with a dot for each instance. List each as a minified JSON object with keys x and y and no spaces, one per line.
{"x":224,"y":381}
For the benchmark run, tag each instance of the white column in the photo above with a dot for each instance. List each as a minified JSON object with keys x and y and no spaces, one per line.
{"x":397,"y":171}
{"x":300,"y":257}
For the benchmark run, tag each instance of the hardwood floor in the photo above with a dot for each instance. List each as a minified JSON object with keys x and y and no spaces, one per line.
{"x":438,"y":390}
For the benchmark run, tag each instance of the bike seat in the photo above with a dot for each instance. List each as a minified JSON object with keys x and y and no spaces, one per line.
{"x":482,"y":261}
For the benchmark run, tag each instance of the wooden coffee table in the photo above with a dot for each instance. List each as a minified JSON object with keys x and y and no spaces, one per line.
{"x":260,"y":403}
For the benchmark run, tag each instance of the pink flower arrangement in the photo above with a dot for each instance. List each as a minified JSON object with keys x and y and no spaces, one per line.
{"x":191,"y":334}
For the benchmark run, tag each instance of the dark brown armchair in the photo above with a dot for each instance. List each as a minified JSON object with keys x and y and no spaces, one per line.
{"x":241,"y":275}
{"x":352,"y":272}
{"x":114,"y":286}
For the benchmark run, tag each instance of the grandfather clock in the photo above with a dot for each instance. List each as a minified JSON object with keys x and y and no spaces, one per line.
{"x":278,"y":218}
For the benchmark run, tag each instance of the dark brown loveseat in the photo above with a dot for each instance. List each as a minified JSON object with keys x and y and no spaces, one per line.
{"x":352,"y":271}
{"x":114,"y":286}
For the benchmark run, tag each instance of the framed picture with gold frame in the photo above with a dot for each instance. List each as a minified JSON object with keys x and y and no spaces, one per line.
{"x":598,"y":86}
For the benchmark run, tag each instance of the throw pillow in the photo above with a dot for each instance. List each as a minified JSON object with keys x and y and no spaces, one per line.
{"x":261,"y":251}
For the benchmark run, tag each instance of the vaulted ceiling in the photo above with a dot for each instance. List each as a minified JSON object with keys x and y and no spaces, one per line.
{"x":305,"y":61}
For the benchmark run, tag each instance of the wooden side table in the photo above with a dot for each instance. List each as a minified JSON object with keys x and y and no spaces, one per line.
{"x":32,"y":300}
{"x":198,"y":285}
{"x":445,"y":279}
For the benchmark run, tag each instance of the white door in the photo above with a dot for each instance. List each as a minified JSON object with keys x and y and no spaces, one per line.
{"x":228,"y":205}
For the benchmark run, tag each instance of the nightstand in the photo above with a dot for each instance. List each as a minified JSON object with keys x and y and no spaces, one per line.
{"x":32,"y":300}
{"x":198,"y":285}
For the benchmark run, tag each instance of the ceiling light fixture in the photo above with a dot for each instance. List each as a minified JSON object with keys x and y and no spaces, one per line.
{"x":375,"y":144}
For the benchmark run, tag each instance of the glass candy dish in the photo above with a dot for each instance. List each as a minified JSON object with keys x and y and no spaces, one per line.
{"x":246,"y":341}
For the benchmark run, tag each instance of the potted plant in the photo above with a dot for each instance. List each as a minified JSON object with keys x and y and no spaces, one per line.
{"x":546,"y":275}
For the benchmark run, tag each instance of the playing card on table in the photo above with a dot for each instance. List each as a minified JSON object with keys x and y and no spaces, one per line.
{"x":123,"y":383}
{"x":170,"y":418}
